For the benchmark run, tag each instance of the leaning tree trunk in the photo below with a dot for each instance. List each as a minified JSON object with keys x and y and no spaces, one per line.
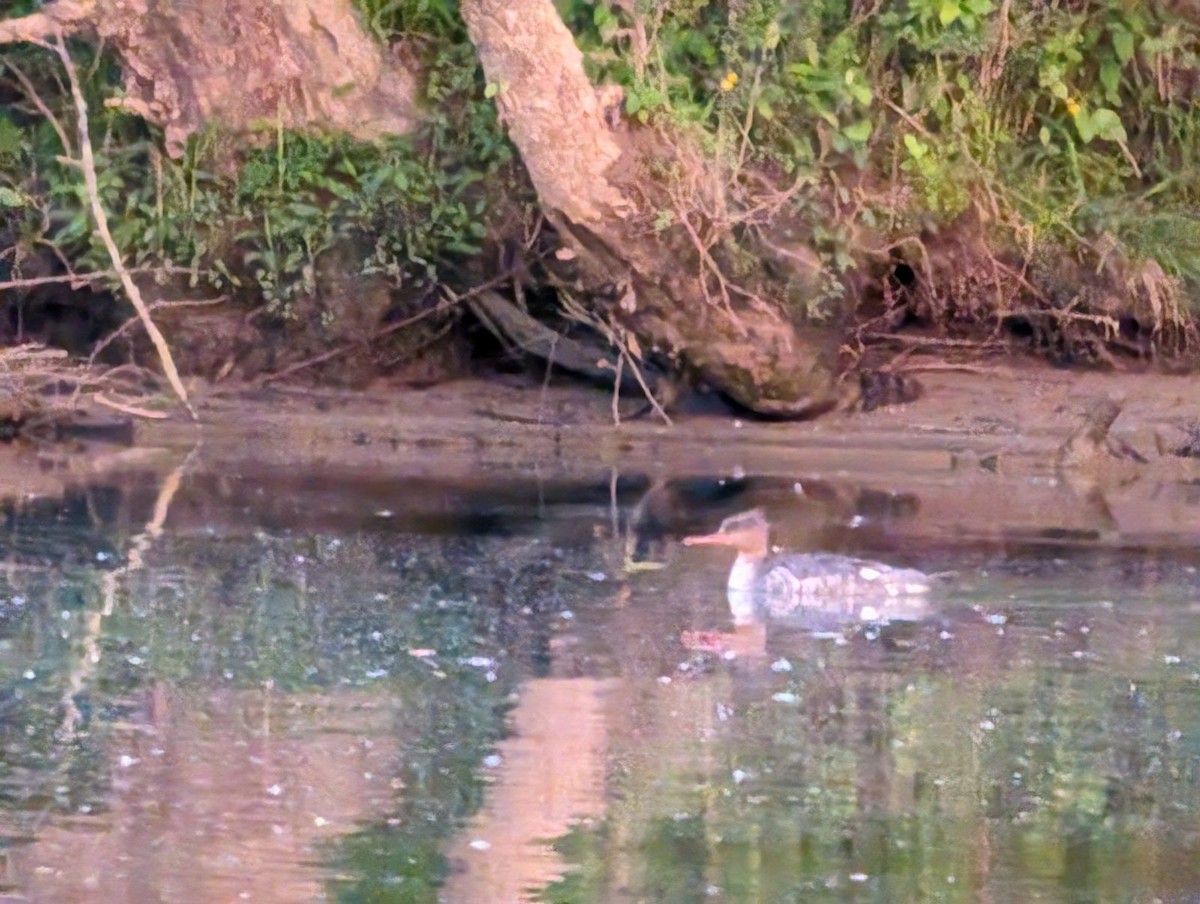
{"x":592,"y":175}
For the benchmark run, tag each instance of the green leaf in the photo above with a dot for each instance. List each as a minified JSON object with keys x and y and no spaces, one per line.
{"x":10,"y":198}
{"x":1110,"y":78}
{"x":1107,"y":125}
{"x":1044,"y":136}
{"x":491,"y":90}
{"x":916,"y":149}
{"x":1123,"y":44}
{"x":1083,"y":122}
{"x":858,"y":132}
{"x":772,"y":37}
{"x":633,"y":103}
{"x":861,"y":92}
{"x":951,"y":10}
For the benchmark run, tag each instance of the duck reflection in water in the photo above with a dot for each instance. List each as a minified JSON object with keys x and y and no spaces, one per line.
{"x":809,"y":590}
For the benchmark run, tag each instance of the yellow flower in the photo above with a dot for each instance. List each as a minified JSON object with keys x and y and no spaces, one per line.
{"x":729,"y":82}
{"x":1073,"y":106}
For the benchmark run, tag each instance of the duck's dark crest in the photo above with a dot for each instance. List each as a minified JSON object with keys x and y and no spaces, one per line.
{"x":743,"y":520}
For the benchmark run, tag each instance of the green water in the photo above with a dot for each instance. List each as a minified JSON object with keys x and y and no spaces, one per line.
{"x":307,"y":689}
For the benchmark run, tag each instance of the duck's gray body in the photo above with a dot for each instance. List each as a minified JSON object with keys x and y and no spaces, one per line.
{"x":825,"y":587}
{"x":811,"y":587}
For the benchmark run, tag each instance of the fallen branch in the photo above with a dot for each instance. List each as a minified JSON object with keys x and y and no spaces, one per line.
{"x":87,"y":163}
{"x":932,"y":341}
{"x":510,"y":324}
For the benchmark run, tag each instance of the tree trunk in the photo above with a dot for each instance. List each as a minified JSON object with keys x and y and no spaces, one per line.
{"x":593,"y":177}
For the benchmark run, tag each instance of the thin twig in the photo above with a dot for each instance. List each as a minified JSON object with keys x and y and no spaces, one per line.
{"x":546,"y":378}
{"x":88,"y":165}
{"x":616,"y":396}
{"x":707,"y":263}
{"x":906,"y":116}
{"x":749,"y":122}
{"x":78,"y":279}
{"x":577,"y":312}
{"x":41,"y":105}
{"x":637,"y":375}
{"x":136,"y":318}
{"x":452,"y":301}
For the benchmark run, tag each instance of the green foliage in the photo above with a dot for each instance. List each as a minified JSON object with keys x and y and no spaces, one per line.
{"x":832,"y":84}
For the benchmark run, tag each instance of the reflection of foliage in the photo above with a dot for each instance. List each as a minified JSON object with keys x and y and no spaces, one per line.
{"x":400,"y":860}
{"x":903,"y":784}
{"x":587,"y":850}
{"x":300,"y":614}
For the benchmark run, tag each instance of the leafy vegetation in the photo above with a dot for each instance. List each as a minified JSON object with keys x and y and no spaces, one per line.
{"x":1047,"y":130}
{"x":259,"y":219}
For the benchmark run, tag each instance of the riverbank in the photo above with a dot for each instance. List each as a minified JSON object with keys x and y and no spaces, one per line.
{"x":976,"y":452}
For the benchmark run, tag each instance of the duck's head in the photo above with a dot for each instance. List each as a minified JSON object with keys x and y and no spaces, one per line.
{"x":747,"y":532}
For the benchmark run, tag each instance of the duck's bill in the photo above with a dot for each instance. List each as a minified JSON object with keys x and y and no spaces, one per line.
{"x":707,"y":540}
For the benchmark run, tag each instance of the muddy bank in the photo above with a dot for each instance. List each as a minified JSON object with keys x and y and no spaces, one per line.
{"x":1020,"y":415}
{"x":974,"y":458}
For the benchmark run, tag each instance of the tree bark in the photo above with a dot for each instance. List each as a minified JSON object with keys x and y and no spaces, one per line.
{"x":295,"y":64}
{"x":594,"y":180}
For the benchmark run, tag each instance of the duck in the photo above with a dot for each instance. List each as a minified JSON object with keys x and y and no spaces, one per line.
{"x":812,"y":588}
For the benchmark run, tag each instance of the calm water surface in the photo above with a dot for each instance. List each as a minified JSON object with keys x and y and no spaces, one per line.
{"x":288,"y":688}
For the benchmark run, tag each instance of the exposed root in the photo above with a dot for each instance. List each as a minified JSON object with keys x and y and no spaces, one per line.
{"x":629,"y":352}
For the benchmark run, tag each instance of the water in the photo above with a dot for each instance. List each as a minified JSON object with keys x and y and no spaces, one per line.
{"x":225,"y":685}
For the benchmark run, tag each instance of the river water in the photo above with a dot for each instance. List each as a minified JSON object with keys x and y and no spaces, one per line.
{"x":222,"y":685}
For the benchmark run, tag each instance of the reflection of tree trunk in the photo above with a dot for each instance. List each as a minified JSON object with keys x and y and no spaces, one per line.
{"x":595,"y":182}
{"x":84,"y":667}
{"x":551,"y":775}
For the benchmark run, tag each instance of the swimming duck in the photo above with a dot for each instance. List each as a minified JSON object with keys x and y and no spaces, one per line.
{"x":810,"y":587}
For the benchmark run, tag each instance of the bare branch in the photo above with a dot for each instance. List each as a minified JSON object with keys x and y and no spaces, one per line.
{"x":36,"y":98}
{"x":132,"y":321}
{"x":79,"y":279}
{"x":88,"y":165}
